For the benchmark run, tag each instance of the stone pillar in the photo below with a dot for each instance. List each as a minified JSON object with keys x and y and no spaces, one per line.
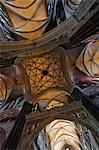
{"x":13,"y":138}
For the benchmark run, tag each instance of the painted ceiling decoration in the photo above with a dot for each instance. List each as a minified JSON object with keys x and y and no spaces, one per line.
{"x":88,"y":60}
{"x":44,"y":72}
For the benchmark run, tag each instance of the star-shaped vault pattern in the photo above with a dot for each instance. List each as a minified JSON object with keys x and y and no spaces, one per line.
{"x":44,"y":72}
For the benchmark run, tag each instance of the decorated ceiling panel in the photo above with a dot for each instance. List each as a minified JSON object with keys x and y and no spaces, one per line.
{"x":46,"y":78}
{"x":44,"y":72}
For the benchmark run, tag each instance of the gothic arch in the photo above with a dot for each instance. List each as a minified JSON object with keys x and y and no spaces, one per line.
{"x":52,"y":38}
{"x":27,"y":142}
{"x":26,"y":81}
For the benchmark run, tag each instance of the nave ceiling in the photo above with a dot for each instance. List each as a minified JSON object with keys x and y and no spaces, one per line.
{"x":49,"y":48}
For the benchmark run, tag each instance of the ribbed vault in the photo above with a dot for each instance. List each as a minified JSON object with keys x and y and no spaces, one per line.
{"x":48,"y":79}
{"x":62,"y":133}
{"x":88,"y":60}
{"x":29,"y":19}
{"x":44,"y":72}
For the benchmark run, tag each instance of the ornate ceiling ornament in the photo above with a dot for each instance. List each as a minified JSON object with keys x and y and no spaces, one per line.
{"x":44,"y":72}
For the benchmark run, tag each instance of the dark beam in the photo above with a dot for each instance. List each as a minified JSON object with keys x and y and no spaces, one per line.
{"x":14,"y":136}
